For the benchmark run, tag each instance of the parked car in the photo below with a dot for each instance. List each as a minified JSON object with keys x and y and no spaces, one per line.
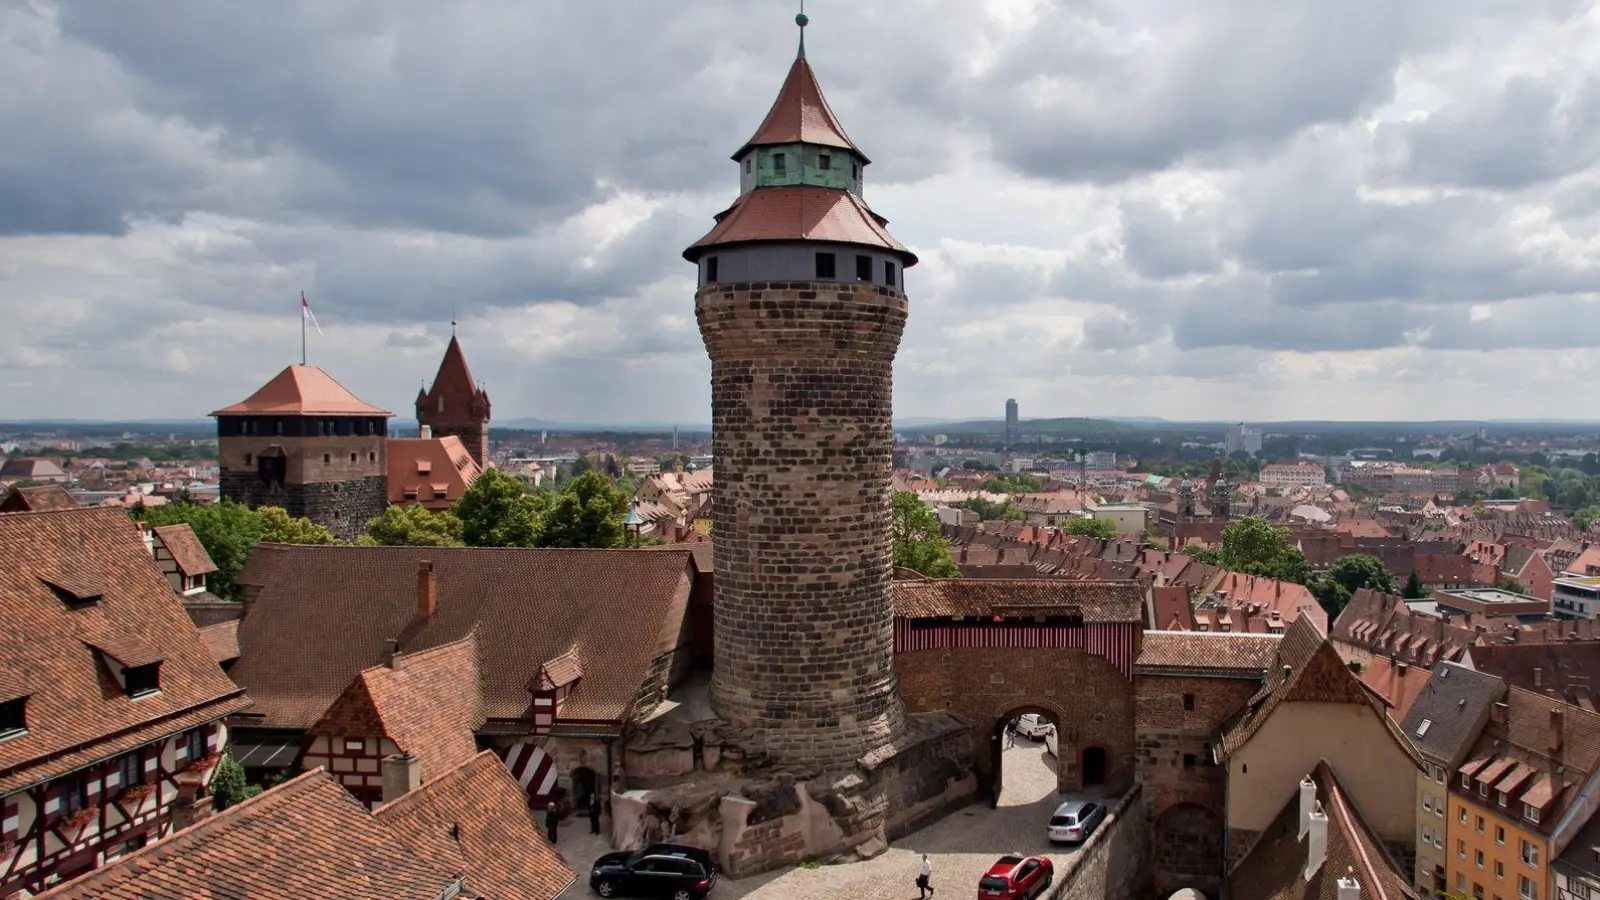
{"x":659,"y":870}
{"x":1034,"y":726}
{"x":1017,"y":877}
{"x":1075,"y":820}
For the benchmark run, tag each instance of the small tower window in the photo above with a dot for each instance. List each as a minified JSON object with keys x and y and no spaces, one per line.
{"x":824,"y":161}
{"x":888,"y":274}
{"x":247,"y":459}
{"x":747,"y":165}
{"x":863,"y":268}
{"x":825,"y":265}
{"x":855,"y":170}
{"x":779,"y":164}
{"x":441,"y":403}
{"x":711,"y":270}
{"x":326,"y":458}
{"x":352,"y":457}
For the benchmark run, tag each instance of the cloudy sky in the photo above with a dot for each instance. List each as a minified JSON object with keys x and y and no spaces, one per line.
{"x":1260,"y":209}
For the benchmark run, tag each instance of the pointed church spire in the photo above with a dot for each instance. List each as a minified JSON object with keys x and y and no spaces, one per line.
{"x":802,"y":21}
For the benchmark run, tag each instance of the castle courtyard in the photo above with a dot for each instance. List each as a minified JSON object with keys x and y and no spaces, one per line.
{"x":962,"y":846}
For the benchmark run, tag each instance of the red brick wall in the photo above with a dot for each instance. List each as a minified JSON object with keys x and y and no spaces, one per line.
{"x":1083,"y":694}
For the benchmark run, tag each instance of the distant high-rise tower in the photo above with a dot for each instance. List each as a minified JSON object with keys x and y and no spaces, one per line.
{"x":801,"y":307}
{"x":306,"y":444}
{"x":1013,"y":432}
{"x":455,"y":405}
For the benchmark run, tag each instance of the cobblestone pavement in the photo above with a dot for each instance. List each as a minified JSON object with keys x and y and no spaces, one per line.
{"x":961,"y":846}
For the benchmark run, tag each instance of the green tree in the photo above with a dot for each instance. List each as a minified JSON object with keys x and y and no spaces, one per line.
{"x":1253,"y":546}
{"x":1012,"y":484}
{"x":228,"y":530}
{"x":498,"y":511}
{"x":413,"y":526}
{"x":278,"y":527}
{"x":1507,"y":583}
{"x":918,"y":545}
{"x":228,"y":787}
{"x":1096,"y":528}
{"x":990,"y":511}
{"x":1583,"y":517}
{"x":588,"y":513}
{"x":1361,"y":570}
{"x":582,"y":466}
{"x":1413,"y":588}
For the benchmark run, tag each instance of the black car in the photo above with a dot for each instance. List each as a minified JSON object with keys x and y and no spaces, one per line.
{"x":659,"y":870}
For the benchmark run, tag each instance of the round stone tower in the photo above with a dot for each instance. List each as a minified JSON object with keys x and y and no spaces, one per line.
{"x":801,"y":305}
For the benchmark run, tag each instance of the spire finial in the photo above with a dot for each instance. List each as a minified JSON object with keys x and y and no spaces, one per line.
{"x":452,"y":320}
{"x":802,"y":21}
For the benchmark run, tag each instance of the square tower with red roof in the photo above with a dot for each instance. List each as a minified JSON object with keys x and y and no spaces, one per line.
{"x":305,"y":443}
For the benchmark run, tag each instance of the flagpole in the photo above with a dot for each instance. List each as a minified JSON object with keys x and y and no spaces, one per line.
{"x":302,"y":328}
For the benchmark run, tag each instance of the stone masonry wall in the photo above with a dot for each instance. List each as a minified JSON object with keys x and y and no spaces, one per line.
{"x":342,"y":507}
{"x":1083,"y":694}
{"x":1185,"y":791}
{"x":1114,"y":862}
{"x":801,"y":399}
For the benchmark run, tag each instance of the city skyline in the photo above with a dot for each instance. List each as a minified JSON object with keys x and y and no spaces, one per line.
{"x":1387,"y":230}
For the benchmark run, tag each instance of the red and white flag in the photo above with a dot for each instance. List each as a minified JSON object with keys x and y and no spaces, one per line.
{"x":306,"y":315}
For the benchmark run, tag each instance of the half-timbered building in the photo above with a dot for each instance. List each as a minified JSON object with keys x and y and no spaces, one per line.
{"x":572,"y":646}
{"x":466,"y":834}
{"x":110,"y":705}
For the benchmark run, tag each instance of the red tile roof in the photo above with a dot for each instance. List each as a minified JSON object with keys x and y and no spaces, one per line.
{"x":429,"y":703}
{"x":40,"y":498}
{"x":1306,"y":668}
{"x":186,"y":549}
{"x":76,"y":713}
{"x":1206,"y":653}
{"x":1275,"y":866}
{"x":1096,"y":601}
{"x":1397,"y":683}
{"x":800,"y":213}
{"x":222,"y":639}
{"x":323,"y":614}
{"x":475,"y":820}
{"x":800,"y":115}
{"x":307,"y":837}
{"x":302,"y":391}
{"x":419,"y":466}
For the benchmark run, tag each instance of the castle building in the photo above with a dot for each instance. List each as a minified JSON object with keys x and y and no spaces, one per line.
{"x":456,"y":406}
{"x":801,"y":305}
{"x":305,"y":443}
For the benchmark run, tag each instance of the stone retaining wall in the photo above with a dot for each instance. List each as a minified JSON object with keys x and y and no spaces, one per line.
{"x":1114,"y":864}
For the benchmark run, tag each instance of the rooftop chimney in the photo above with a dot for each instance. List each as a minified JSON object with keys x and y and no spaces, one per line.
{"x":1316,"y":841}
{"x":427,"y":591}
{"x":1497,"y":713}
{"x":402,"y":773}
{"x":1308,"y":803}
{"x":425,"y":432}
{"x":1401,"y":668}
{"x":1349,"y":888}
{"x":1557,"y":731}
{"x":1538,"y":677}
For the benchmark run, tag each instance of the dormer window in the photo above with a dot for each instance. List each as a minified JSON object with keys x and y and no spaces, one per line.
{"x":1483,"y":789}
{"x":1466,"y":781}
{"x":1505,"y":799}
{"x":1530,"y":812}
{"x":13,"y":718}
{"x":75,"y":594}
{"x":863,"y":268}
{"x":142,"y":681}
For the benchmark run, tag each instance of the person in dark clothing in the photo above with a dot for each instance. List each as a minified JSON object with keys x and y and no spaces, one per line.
{"x":594,"y":813}
{"x":550,"y":823}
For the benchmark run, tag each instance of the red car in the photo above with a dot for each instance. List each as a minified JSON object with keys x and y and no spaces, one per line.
{"x":1017,"y":878}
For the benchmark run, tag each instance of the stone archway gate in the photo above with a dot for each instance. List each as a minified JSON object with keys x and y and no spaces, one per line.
{"x":982,"y":648}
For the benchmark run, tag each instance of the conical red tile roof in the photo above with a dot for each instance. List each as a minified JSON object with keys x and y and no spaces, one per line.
{"x":302,"y":391}
{"x":454,"y":377}
{"x":800,"y":213}
{"x":800,"y":114}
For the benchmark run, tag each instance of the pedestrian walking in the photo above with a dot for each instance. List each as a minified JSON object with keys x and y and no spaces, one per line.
{"x":1011,"y":734}
{"x":550,"y":822}
{"x":594,"y":813}
{"x":925,"y":878}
